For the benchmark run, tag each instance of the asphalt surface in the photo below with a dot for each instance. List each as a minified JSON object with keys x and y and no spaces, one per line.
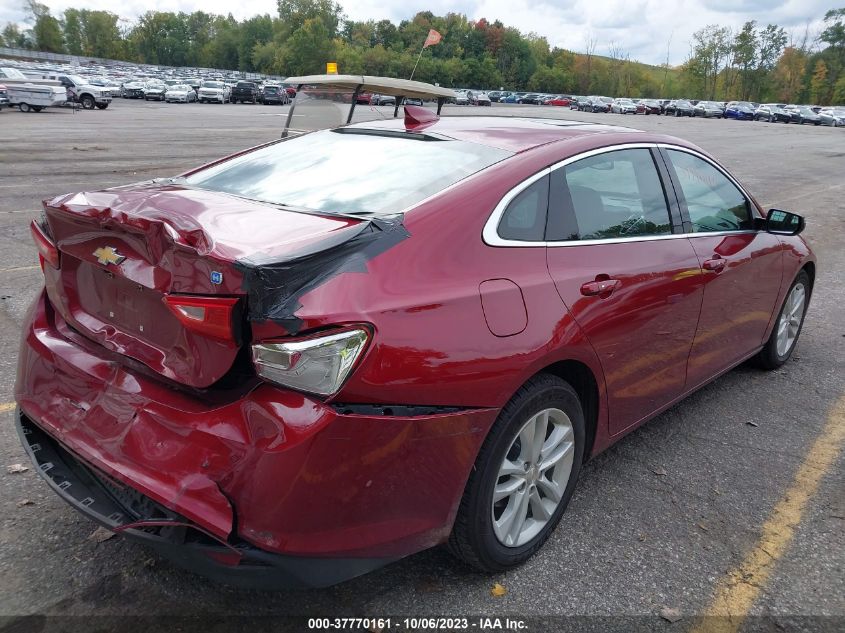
{"x":656,"y":521}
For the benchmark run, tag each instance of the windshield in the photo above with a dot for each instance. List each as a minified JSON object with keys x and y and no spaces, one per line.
{"x":349,"y":171}
{"x":77,"y":79}
{"x":12,"y":73}
{"x":212,"y":84}
{"x":179,"y":88}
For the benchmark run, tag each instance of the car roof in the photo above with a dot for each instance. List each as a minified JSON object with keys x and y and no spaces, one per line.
{"x":515,"y":134}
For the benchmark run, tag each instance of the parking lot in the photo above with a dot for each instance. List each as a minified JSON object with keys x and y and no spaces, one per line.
{"x":671,"y":520}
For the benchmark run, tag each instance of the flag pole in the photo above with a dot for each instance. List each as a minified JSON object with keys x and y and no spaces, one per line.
{"x":418,"y":59}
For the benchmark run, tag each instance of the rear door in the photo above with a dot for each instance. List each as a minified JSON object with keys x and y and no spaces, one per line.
{"x":742,"y":267}
{"x":627,"y":273}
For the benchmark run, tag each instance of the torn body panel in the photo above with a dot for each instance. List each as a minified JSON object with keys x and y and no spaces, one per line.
{"x":302,"y":478}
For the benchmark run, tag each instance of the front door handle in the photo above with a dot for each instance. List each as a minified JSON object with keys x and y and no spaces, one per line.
{"x":599,"y":287}
{"x":716,"y":264}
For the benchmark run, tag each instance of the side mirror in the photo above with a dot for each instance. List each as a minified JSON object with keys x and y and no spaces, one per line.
{"x":783,"y":222}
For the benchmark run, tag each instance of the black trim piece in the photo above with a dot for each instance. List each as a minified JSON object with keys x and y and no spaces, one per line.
{"x":274,"y":287}
{"x":675,"y":215}
{"x":87,"y":492}
{"x":394,"y":410}
{"x":413,"y":136}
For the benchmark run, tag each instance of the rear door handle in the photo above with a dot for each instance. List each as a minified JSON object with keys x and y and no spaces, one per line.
{"x":599,"y":287}
{"x":715,"y":264}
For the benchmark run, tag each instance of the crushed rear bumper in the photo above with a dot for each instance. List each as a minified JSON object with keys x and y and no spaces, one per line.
{"x":139,"y":518}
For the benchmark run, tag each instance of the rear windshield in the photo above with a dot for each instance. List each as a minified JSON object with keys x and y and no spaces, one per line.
{"x":348,"y":172}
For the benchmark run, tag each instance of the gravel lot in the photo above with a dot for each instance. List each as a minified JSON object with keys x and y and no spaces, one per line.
{"x":656,"y":521}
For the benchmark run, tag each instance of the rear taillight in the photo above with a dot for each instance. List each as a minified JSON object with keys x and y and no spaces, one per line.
{"x":211,"y":316}
{"x":47,"y":251}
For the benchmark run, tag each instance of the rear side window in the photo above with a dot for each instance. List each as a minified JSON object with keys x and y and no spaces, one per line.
{"x":525,"y":217}
{"x":611,"y":195}
{"x":714,"y":203}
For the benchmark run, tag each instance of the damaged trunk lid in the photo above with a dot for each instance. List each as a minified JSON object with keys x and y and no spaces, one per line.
{"x":139,"y":265}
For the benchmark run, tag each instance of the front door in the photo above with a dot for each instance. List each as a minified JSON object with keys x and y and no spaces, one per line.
{"x":742,"y":267}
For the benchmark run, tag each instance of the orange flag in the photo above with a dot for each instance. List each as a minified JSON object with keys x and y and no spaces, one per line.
{"x":433,"y":38}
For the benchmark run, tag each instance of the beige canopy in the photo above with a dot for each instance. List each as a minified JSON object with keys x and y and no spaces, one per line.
{"x":378,"y":85}
{"x":357,"y":84}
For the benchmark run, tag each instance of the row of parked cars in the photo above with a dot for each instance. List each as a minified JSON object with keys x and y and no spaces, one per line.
{"x":187,"y":90}
{"x":833,"y":116}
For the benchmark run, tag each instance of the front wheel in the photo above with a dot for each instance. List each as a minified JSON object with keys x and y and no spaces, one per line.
{"x":523,"y":477}
{"x":87,"y":102}
{"x":781,"y":343}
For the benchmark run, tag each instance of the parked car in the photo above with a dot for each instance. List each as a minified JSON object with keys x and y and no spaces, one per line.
{"x":272,"y":93}
{"x":531,"y":98}
{"x":214,"y":91}
{"x":807,"y":115}
{"x":132,"y":89}
{"x":649,"y":106}
{"x":345,"y":368}
{"x":155,"y":90}
{"x":511,"y":98}
{"x":481,"y":99}
{"x":775,"y":112}
{"x":413,"y":101}
{"x":740,"y":110}
{"x":708,"y":110}
{"x":245,"y":92}
{"x":598,"y":104}
{"x":180,"y":93}
{"x":834,"y":117}
{"x":364,"y":98}
{"x":679,"y":107}
{"x":380,"y":100}
{"x":4,"y":97}
{"x":496,"y":95}
{"x":80,"y":91}
{"x":560,"y":100}
{"x":623,"y":106}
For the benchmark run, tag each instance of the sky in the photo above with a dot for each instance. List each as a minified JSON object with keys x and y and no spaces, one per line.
{"x":644,"y":29}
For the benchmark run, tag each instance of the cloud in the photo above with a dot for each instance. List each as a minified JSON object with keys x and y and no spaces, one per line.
{"x":644,"y":29}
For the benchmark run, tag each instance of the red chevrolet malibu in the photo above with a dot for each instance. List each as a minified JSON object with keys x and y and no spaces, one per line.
{"x":293,"y":366}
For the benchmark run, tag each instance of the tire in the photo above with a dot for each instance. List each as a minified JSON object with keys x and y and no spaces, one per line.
{"x":24,"y":107}
{"x":87,"y":102}
{"x":37,"y":108}
{"x":102,"y":106}
{"x":777,"y":351}
{"x":474,"y":536}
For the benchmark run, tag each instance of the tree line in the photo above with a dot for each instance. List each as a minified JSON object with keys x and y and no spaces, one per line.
{"x":755,"y":63}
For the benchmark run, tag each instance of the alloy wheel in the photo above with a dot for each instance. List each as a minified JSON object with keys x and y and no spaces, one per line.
{"x":790,"y":319}
{"x":533,"y":477}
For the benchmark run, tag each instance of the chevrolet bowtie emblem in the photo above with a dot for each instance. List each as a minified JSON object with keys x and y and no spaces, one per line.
{"x":108,"y":255}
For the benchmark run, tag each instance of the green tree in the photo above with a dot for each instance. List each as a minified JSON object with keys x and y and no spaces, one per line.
{"x":820,"y":89}
{"x":308,"y":49}
{"x":46,"y":30}
{"x":295,"y":13}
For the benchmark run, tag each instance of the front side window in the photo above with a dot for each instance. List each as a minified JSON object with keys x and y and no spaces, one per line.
{"x":612,"y":195}
{"x":714,"y":203}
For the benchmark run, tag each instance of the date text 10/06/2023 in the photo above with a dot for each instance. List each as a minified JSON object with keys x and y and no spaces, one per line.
{"x":417,"y":624}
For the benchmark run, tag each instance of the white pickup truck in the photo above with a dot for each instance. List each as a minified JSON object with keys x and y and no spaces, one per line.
{"x":81,"y":92}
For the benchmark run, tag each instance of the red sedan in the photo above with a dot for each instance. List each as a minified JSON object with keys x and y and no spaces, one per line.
{"x":293,"y":372}
{"x":559,"y":101}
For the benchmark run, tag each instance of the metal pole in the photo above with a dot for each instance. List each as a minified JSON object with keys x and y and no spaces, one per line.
{"x":440,"y":102}
{"x":418,"y":61}
{"x":399,"y":100}
{"x":290,"y":112}
{"x":354,"y":101}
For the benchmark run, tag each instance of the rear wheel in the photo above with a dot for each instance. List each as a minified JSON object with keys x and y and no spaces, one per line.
{"x":787,"y":328}
{"x":523,"y":477}
{"x":37,"y":108}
